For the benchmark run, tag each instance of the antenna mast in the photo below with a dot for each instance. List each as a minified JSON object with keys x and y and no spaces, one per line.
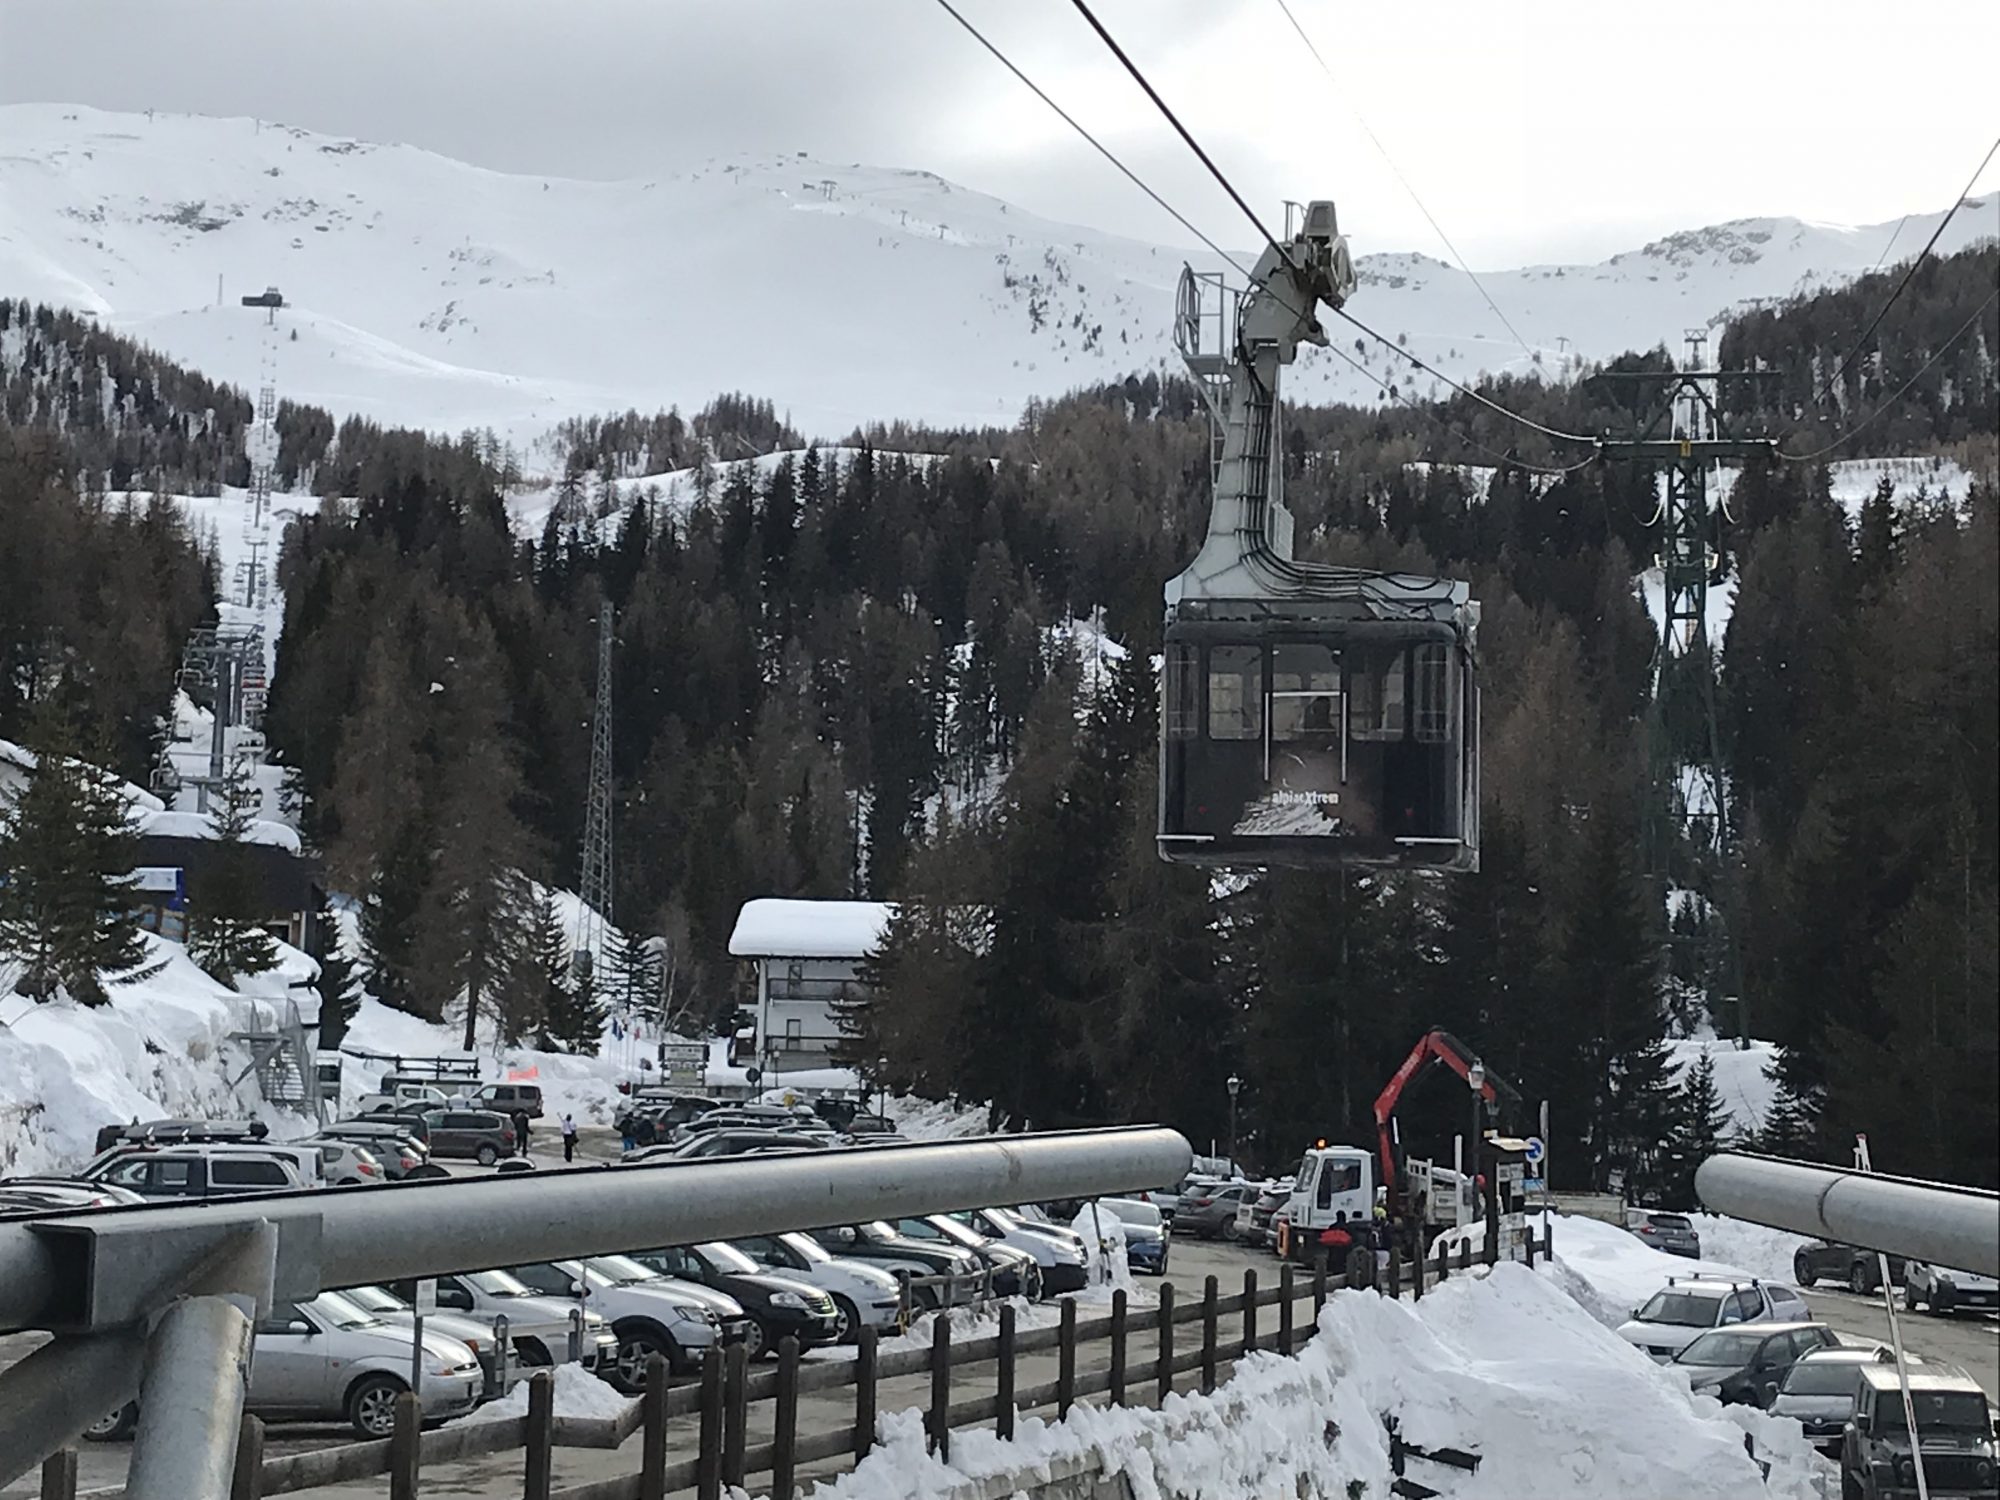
{"x":596,"y":883}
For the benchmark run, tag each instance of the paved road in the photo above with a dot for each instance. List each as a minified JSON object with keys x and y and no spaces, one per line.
{"x":1969,"y":1340}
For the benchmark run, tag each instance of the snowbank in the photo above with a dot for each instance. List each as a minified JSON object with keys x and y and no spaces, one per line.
{"x":935,"y":1119}
{"x":192,"y":825}
{"x":578,"y":1394}
{"x":161,"y":1048}
{"x":1103,"y":1247}
{"x":1504,"y":1365}
{"x":1763,"y":1252}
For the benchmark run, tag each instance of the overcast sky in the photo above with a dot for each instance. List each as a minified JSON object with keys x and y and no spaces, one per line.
{"x":1533,"y":129}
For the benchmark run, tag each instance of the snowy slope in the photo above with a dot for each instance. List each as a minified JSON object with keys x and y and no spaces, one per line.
{"x":429,"y":291}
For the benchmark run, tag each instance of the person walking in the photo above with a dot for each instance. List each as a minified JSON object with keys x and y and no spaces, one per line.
{"x":521,"y":1124}
{"x":569,"y":1138}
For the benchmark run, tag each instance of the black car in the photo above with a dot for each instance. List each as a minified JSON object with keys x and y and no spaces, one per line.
{"x":1850,"y":1265}
{"x":878,"y":1244}
{"x":1954,"y":1424}
{"x":777,"y":1305}
{"x":1015,"y":1273}
{"x":1747,"y":1362}
{"x":651,"y":1115}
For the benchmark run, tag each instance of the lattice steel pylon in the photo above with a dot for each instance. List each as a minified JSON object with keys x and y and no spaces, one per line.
{"x":1687,"y":830}
{"x":597,"y":843}
{"x":252,"y":582}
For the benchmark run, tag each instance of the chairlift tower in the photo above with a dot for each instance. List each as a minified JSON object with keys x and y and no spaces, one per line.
{"x":252,"y":572}
{"x":1688,"y":837}
{"x":597,"y":848}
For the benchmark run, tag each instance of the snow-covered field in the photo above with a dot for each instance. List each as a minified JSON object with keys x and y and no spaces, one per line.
{"x":1742,"y":1075}
{"x":1504,"y":1365}
{"x":425,"y":290}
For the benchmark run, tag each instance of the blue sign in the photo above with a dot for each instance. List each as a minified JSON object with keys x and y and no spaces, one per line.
{"x":1534,"y":1152}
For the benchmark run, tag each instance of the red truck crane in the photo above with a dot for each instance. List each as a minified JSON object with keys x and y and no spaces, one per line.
{"x":1434,"y":1046}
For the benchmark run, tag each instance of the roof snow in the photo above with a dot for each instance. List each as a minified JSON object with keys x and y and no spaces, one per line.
{"x":188,"y":825}
{"x":770,"y":928}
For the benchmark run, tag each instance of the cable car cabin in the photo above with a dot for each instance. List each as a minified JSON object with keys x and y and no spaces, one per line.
{"x":1312,"y":716}
{"x":1311,"y":735}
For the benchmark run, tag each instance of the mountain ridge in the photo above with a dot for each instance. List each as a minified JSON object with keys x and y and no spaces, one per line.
{"x":429,"y":292}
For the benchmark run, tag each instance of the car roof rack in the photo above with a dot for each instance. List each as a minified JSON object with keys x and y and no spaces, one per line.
{"x":187,"y":1132}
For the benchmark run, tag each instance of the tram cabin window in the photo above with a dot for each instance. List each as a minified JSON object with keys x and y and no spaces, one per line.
{"x":1235,"y":693}
{"x":1305,"y":693}
{"x":1183,"y":691}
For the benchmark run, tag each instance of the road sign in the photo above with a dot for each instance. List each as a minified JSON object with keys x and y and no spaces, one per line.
{"x":1530,"y":1185}
{"x":685,"y":1062}
{"x":1534,"y":1152}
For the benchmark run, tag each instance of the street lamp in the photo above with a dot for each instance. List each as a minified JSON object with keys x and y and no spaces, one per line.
{"x":1235,"y":1086}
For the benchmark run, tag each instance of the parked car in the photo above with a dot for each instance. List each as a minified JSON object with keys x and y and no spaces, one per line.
{"x":864,"y":1296}
{"x":877,"y":1244}
{"x":1146,"y":1233}
{"x":329,"y":1359}
{"x":870,"y":1125}
{"x":1211,"y":1212}
{"x":398,"y":1151}
{"x":1954,"y":1430}
{"x":727,"y":1141}
{"x":410,"y":1115}
{"x":344,"y":1163}
{"x":1857,"y":1268}
{"x":439,"y":1093}
{"x":1673,"y":1233}
{"x":1059,"y":1253}
{"x":1167,"y":1199}
{"x":192,"y":1171}
{"x":1015,"y":1272}
{"x":479,"y":1337}
{"x":1745,"y":1364}
{"x":181,"y":1132}
{"x":509,"y":1099}
{"x":538,"y":1325}
{"x":1256,"y":1221}
{"x":778,"y":1305}
{"x":650,"y":1313}
{"x":477,"y":1134}
{"x":1818,"y":1391}
{"x":1944,"y":1290}
{"x":650,"y":1116}
{"x":59,"y":1195}
{"x":1689,"y":1306}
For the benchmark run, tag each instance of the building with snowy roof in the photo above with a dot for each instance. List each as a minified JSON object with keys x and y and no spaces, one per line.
{"x":803,"y":963}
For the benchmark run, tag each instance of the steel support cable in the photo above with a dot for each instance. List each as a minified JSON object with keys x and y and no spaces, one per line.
{"x":1229,"y":259}
{"x":1513,"y":416}
{"x":1881,"y":313}
{"x":1172,"y":119}
{"x":1422,"y":208}
{"x":1083,"y":8}
{"x":1901,"y":391}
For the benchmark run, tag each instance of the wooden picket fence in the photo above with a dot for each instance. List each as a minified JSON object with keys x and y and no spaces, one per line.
{"x":720,"y":1400}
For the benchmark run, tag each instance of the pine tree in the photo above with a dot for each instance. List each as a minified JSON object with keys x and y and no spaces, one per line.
{"x":67,"y":849}
{"x":225,"y":935}
{"x":1699,"y":1124}
{"x":339,"y":999}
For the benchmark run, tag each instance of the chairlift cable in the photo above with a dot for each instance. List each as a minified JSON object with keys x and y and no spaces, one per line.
{"x":1903,"y":390}
{"x":1876,"y":322}
{"x":1422,"y":208}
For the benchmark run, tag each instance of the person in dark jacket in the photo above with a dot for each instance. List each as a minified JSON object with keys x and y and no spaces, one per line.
{"x":521,"y":1124}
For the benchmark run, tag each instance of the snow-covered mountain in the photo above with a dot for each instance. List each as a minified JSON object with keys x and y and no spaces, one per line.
{"x":427,"y":291}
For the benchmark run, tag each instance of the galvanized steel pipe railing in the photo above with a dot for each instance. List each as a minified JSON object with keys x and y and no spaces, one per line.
{"x":87,"y":1272}
{"x":1935,"y":1222}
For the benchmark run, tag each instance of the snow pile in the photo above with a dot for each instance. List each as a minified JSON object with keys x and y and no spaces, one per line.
{"x":578,"y":1394}
{"x":1763,"y":1252}
{"x":160,"y":1049}
{"x":1103,"y":1246}
{"x":935,"y":1119}
{"x":1742,"y":1075}
{"x":1611,"y":1271}
{"x":1504,"y":1366}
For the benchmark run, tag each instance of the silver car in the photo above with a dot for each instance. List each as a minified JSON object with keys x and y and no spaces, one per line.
{"x":328,"y":1359}
{"x":538,"y":1325}
{"x":469,"y":1331}
{"x":1818,"y":1392}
